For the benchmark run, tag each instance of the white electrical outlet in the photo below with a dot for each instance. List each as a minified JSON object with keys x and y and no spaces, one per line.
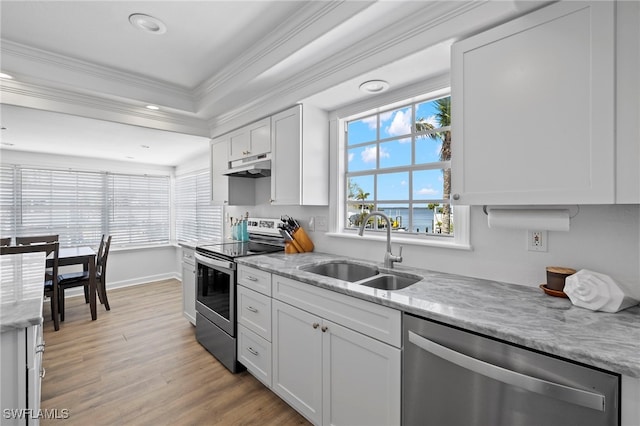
{"x":537,"y":240}
{"x":321,"y":224}
{"x":311,"y":226}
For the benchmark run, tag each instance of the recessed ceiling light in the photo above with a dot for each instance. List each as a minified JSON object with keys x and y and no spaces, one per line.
{"x":147,"y":23}
{"x":153,"y":107}
{"x":144,"y":146}
{"x":7,"y":76}
{"x":7,"y":144}
{"x":374,"y":86}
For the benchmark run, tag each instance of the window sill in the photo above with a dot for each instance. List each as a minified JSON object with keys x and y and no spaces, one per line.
{"x":448,"y":243}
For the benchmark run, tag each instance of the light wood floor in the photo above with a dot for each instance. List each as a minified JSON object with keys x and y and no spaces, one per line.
{"x":140,"y":364}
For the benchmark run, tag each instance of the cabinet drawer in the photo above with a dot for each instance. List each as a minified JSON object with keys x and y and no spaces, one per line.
{"x":188,"y":256}
{"x":380,"y":322}
{"x":255,"y":353}
{"x":254,"y":312}
{"x":255,"y":279}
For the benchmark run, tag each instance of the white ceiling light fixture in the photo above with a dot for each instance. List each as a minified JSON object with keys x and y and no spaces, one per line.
{"x":147,"y":23}
{"x":374,"y":86}
{"x":5,"y":76}
{"x":152,"y":107}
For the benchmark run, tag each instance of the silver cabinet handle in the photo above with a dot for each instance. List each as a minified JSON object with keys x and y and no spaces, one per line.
{"x":315,"y":325}
{"x":575,"y":396}
{"x":252,"y":309}
{"x":251,"y":278}
{"x":253,"y":351}
{"x":324,"y":328}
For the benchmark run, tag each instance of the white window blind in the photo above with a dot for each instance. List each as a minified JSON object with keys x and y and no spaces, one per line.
{"x":7,"y":201}
{"x":67,"y":203}
{"x":80,"y":206}
{"x":138,"y":209}
{"x":196,"y":217}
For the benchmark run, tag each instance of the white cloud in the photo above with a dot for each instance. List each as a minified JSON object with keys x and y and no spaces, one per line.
{"x":371,"y":122}
{"x":369,"y":154}
{"x":426,"y":191}
{"x":403,"y":183}
{"x":350,"y":157}
{"x":401,"y":124}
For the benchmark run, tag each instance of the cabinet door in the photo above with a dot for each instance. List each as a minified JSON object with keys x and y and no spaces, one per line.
{"x":189,"y":292}
{"x":286,"y":159}
{"x":238,"y":144}
{"x":361,"y":379}
{"x":297,"y":359}
{"x":250,"y":140}
{"x":533,"y":109}
{"x":259,"y":137}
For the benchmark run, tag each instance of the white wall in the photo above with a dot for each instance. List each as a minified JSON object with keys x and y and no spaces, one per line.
{"x":602,"y":238}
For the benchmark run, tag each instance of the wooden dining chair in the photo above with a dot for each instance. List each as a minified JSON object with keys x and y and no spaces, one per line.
{"x":50,"y":278}
{"x":20,"y":241}
{"x":77,"y":279}
{"x":5,"y":242}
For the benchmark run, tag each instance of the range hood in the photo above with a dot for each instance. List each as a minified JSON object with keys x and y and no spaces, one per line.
{"x":255,"y":169}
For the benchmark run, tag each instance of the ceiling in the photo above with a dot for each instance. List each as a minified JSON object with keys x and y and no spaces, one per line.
{"x":83,"y":75}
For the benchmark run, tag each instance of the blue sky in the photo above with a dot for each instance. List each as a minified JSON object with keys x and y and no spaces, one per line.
{"x":395,"y":126}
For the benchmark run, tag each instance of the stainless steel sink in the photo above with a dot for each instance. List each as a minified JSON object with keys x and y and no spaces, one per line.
{"x":343,"y":270}
{"x":390,"y":281}
{"x":365,"y":275}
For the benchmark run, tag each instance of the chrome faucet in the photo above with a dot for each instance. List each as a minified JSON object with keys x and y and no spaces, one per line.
{"x":389,"y":258}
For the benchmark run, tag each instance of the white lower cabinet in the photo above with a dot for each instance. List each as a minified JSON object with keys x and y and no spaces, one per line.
{"x":21,"y":375}
{"x":332,"y":374}
{"x":189,"y":285}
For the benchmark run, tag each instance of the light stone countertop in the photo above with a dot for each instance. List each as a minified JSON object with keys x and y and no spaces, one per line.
{"x":21,"y":290}
{"x":518,"y":314}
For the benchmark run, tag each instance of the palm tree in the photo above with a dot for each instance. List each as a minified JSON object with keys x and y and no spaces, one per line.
{"x":443,"y":118}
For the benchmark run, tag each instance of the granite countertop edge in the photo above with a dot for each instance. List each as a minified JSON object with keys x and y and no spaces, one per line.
{"x":517,"y":314}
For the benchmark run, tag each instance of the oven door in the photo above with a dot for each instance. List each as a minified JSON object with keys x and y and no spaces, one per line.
{"x":216,"y":292}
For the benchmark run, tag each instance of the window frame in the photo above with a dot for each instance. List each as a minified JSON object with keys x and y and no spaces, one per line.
{"x":386,"y":102}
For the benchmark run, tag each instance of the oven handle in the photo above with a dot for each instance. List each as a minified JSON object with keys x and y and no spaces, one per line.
{"x":214,"y":263}
{"x":569,"y":394}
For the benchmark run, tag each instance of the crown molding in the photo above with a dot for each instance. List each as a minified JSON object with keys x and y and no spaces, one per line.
{"x":87,"y":105}
{"x":393,"y":42}
{"x":309,"y":22}
{"x":38,"y":63}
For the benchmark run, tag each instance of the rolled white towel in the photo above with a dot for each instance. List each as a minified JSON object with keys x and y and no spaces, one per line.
{"x":596,"y":291}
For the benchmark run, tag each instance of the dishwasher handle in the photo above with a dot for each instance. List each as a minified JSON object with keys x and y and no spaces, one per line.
{"x":568,"y":394}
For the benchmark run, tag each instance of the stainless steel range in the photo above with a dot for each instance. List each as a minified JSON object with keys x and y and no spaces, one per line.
{"x":216,"y":287}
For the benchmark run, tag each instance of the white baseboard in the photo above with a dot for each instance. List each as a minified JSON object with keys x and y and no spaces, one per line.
{"x":77,"y":291}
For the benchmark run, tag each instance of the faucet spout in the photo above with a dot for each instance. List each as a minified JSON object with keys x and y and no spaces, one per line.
{"x":389,"y":258}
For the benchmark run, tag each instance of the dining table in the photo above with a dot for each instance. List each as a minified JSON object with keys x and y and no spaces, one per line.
{"x":85,"y":256}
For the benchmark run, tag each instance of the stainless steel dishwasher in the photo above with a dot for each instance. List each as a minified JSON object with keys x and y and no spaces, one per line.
{"x":458,"y":378}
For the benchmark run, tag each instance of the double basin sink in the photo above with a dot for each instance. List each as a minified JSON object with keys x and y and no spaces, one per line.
{"x":365,"y":275}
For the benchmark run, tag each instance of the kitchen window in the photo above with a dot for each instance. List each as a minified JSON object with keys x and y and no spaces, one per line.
{"x":80,"y":206}
{"x":196,"y":218}
{"x":397,"y":159}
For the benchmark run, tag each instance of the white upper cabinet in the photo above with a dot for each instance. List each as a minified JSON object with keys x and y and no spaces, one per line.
{"x":628,"y":102}
{"x":533,"y":109}
{"x":227,"y":190}
{"x":300,"y":157}
{"x":251,"y":140}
